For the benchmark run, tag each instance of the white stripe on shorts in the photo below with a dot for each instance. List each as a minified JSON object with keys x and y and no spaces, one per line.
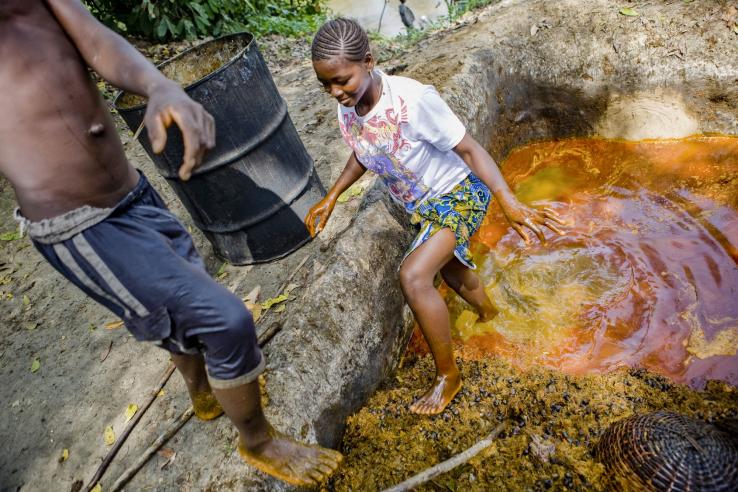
{"x":89,"y":254}
{"x":68,"y":260}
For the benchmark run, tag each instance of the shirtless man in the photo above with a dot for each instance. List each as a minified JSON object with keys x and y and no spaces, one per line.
{"x":98,"y":221}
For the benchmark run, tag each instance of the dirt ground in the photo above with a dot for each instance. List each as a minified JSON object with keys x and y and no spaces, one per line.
{"x":553,"y":422}
{"x":66,"y":377}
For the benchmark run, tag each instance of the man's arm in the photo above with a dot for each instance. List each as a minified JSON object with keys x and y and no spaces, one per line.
{"x":122,"y":65}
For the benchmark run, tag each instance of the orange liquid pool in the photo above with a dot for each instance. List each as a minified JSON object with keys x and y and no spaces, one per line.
{"x":645,"y":276}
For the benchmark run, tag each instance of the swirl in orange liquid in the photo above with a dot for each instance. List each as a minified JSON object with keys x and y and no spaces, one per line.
{"x":645,"y":276}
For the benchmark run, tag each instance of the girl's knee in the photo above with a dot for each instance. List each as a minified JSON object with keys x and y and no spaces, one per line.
{"x":413,"y":280}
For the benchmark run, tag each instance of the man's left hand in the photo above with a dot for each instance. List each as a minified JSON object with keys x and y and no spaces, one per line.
{"x":170,"y":104}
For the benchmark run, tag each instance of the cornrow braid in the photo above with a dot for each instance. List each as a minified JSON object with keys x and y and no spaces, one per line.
{"x":340,"y":37}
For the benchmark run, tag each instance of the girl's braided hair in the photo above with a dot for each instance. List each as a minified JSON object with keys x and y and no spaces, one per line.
{"x":340,"y":37}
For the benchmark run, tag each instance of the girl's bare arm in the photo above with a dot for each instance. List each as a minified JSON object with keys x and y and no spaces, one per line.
{"x":323,"y":209}
{"x":482,"y":164}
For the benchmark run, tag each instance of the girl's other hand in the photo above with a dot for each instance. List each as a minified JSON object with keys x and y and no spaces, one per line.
{"x":533,"y":218}
{"x":320,"y":212}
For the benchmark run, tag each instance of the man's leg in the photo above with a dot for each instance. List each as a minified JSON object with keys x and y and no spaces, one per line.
{"x":468,"y":285}
{"x":416,"y":277}
{"x":266,"y":449}
{"x":234,"y":363}
{"x":192,"y":368}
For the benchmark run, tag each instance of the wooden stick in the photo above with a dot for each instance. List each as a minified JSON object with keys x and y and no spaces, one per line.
{"x":269,"y":333}
{"x":449,"y":464}
{"x":114,"y":450}
{"x":129,"y":472}
{"x":379,"y":27}
{"x":135,"y":134}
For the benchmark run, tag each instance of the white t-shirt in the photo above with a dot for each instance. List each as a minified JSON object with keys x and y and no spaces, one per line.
{"x":407,"y":139}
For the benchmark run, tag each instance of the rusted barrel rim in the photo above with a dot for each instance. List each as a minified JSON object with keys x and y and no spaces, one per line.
{"x":202,"y":80}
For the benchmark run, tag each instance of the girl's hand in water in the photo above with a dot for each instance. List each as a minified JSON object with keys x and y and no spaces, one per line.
{"x":320,"y":212}
{"x":533,"y":218}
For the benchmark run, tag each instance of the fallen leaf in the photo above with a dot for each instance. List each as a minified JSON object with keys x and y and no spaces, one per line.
{"x":629,"y":12}
{"x":166,"y":452}
{"x":96,"y":488}
{"x":161,"y":393}
{"x":221,"y":271}
{"x":274,"y":300}
{"x":109,"y":436}
{"x":354,"y":190}
{"x":169,"y":454}
{"x":64,"y":456}
{"x":255,"y":310}
{"x":26,"y":300}
{"x":131,"y":411}
{"x":35,"y":365}
{"x":92,"y":327}
{"x":113,"y":325}
{"x":280,"y":308}
{"x":10,"y":236}
{"x":104,"y":354}
{"x":31,"y":325}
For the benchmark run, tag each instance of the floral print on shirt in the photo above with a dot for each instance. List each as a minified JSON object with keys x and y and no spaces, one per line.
{"x":379,"y":145}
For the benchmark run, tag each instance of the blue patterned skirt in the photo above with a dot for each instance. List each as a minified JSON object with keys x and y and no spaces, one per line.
{"x":461,"y":210}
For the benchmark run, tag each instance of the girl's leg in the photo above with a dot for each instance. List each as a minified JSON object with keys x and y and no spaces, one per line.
{"x":416,"y":277}
{"x":192,"y":368}
{"x":467,"y":284}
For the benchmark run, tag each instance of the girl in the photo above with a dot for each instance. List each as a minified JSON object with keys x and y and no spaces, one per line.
{"x":404,"y":132}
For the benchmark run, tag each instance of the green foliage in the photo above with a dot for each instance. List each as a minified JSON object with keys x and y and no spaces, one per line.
{"x":166,"y":20}
{"x":458,"y":8}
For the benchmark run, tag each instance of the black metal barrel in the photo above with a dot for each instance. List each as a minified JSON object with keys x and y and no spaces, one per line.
{"x":253,"y":190}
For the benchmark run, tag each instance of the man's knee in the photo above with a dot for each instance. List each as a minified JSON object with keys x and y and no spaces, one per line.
{"x":238,"y":323}
{"x":233,"y":356}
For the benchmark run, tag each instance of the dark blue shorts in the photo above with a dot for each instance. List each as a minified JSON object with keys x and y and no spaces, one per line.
{"x":140,"y":263}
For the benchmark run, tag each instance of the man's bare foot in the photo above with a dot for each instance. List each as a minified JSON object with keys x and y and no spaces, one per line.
{"x":205,"y":405}
{"x":291,"y":461}
{"x":437,"y":398}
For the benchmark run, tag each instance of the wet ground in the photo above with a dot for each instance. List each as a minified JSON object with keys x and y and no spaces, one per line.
{"x":553,"y":421}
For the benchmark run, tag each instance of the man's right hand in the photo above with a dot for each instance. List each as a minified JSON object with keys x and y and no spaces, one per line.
{"x":169,"y":103}
{"x":320,"y":212}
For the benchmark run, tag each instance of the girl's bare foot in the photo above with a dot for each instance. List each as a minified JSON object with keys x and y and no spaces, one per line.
{"x":205,"y":405}
{"x":290,"y":461}
{"x":487,"y":313}
{"x":437,"y":398}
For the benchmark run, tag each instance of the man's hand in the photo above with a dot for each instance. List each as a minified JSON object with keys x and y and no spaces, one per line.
{"x":533,"y":218}
{"x":168,"y":104}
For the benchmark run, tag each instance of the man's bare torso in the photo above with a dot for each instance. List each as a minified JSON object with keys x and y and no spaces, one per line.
{"x":58,"y":145}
